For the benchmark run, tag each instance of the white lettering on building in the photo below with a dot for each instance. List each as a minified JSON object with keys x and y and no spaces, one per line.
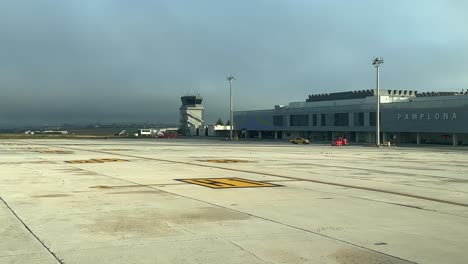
{"x":427,"y":116}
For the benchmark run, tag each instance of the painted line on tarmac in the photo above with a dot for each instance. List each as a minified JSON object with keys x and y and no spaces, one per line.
{"x":273,"y":175}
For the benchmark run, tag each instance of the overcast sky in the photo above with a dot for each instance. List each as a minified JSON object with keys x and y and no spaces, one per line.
{"x":124,"y":60}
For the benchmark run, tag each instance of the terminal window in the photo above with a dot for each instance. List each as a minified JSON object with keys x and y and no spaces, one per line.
{"x":323,"y":119}
{"x":299,"y":120}
{"x":278,"y":120}
{"x":372,"y":118}
{"x":314,"y":119}
{"x":341,"y":119}
{"x":359,"y":119}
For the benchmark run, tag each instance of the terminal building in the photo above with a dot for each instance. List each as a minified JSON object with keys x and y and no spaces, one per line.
{"x":405,"y":117}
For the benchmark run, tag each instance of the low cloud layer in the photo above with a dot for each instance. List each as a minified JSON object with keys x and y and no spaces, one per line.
{"x":109,"y":61}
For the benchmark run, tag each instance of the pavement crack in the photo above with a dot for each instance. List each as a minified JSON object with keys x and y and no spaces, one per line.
{"x":249,"y":252}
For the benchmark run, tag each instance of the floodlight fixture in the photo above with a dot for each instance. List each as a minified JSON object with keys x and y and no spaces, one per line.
{"x":376,"y":61}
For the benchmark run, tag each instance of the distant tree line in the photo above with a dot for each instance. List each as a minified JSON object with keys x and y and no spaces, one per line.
{"x":221,"y":123}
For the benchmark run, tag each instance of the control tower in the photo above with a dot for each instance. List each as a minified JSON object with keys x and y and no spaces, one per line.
{"x":191,"y":115}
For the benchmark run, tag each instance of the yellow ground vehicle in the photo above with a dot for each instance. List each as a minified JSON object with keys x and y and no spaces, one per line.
{"x":299,"y":140}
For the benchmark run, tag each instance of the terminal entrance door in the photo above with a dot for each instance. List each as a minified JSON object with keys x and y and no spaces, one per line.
{"x":404,"y":137}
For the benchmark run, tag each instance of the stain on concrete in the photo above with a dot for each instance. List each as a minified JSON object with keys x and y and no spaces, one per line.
{"x":453,"y":180}
{"x":360,"y":256}
{"x":288,"y":256}
{"x":329,"y":228}
{"x":298,"y":164}
{"x":362,"y":173}
{"x":54,"y":151}
{"x":380,"y":244}
{"x":77,"y":171}
{"x":428,"y":168}
{"x":153,"y":222}
{"x":225,"y":161}
{"x":130,"y":225}
{"x":50,"y":195}
{"x":115,"y":149}
{"x":30,"y":148}
{"x":26,"y":162}
{"x":209,"y":214}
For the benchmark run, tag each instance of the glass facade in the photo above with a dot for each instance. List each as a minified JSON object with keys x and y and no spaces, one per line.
{"x":341,"y":119}
{"x":299,"y":120}
{"x":401,"y":120}
{"x":359,"y":119}
{"x":278,"y":120}
{"x":314,"y":120}
{"x":372,"y":118}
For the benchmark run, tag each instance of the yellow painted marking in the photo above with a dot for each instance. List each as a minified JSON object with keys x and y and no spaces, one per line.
{"x":110,"y":160}
{"x":31,"y":148}
{"x":82,"y":161}
{"x":220,"y":183}
{"x":95,"y":161}
{"x":225,"y":161}
{"x":102,"y":187}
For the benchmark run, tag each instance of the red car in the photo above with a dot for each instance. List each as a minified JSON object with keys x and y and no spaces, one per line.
{"x":168,"y":134}
{"x":340,"y":142}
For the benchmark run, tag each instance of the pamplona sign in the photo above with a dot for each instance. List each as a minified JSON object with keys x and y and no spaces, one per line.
{"x":427,"y":116}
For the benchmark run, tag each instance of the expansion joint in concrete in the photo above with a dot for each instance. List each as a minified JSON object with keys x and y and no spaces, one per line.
{"x":31,"y":232}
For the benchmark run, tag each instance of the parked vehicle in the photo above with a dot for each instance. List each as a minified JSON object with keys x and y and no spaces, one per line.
{"x":299,"y":140}
{"x":168,"y":134}
{"x":340,"y":142}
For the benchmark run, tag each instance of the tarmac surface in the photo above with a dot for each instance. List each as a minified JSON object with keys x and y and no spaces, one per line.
{"x":210,"y":201}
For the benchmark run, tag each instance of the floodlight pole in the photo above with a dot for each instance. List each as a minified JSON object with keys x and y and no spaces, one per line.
{"x":230,"y":79}
{"x":376,"y":62}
